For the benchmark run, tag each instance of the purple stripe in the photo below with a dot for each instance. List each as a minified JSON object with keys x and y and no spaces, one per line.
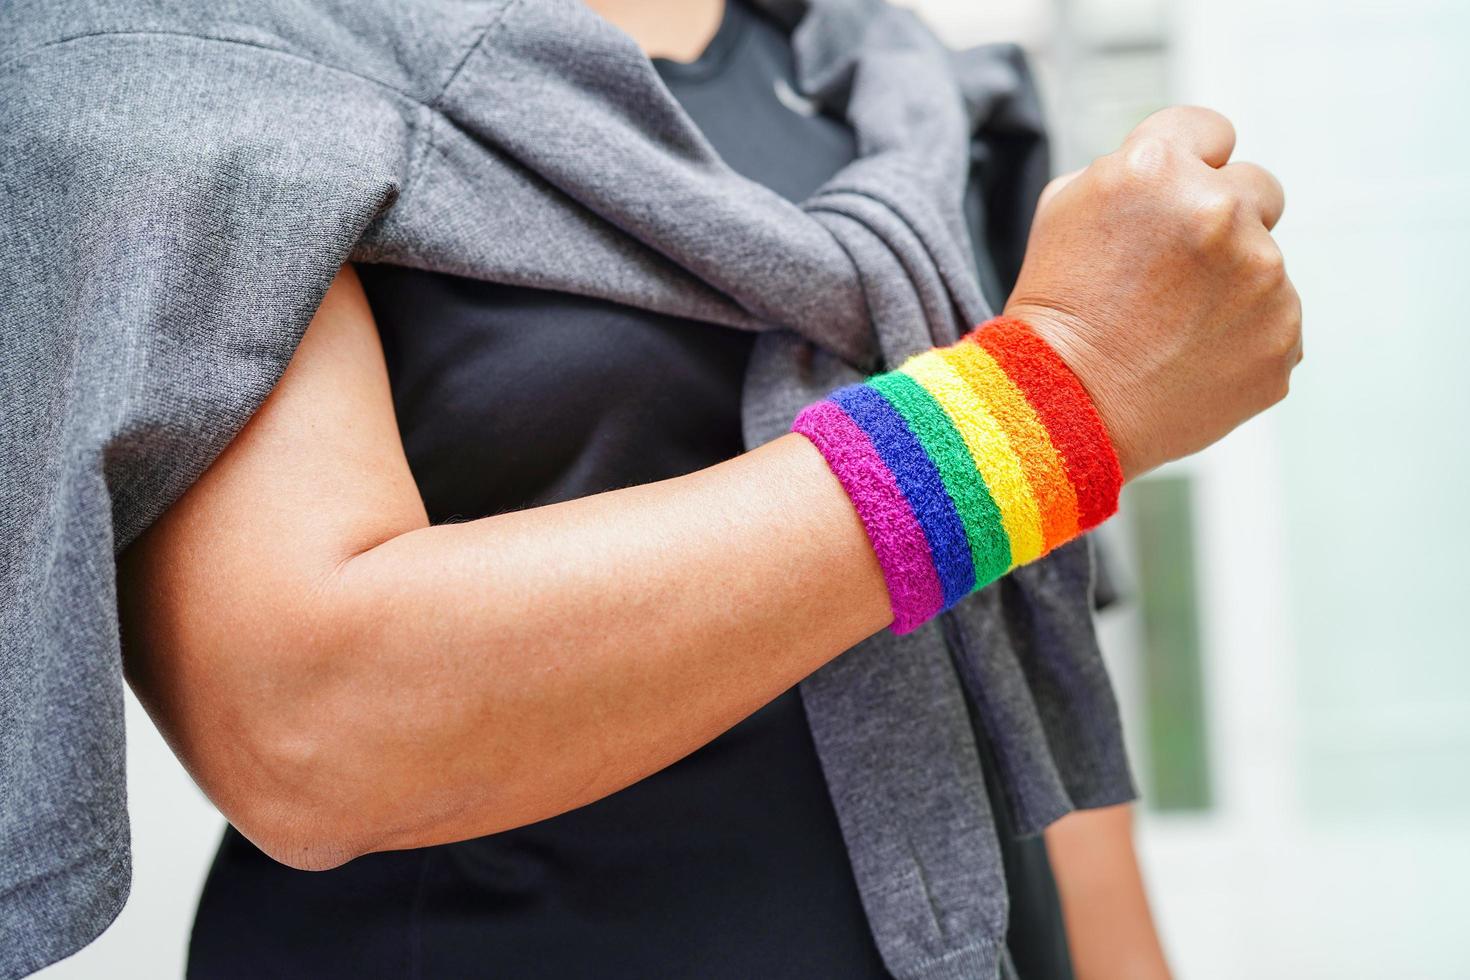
{"x":897,"y":537}
{"x":908,"y":460}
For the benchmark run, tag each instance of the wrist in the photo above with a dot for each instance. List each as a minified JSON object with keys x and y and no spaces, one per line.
{"x":967,"y":461}
{"x":1067,"y":334}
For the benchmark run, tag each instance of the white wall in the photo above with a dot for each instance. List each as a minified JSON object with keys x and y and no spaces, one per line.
{"x":1339,"y":686}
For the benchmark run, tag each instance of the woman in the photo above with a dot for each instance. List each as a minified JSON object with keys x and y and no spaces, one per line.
{"x":485,"y":617}
{"x":727,"y":862}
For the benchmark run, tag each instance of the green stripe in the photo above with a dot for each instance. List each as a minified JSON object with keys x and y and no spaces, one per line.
{"x":990,"y":546}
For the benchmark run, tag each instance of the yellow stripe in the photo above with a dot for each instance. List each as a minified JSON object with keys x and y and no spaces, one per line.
{"x":990,"y":448}
{"x":1029,"y":438}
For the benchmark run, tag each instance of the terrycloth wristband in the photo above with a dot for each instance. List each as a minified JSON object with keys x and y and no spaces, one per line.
{"x":967,"y":461}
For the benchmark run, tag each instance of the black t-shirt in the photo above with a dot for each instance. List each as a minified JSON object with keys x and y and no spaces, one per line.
{"x":728,"y":863}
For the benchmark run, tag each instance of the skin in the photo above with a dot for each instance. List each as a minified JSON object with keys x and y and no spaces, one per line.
{"x":1110,"y":930}
{"x":342,"y":678}
{"x":665,"y":28}
{"x":1166,"y":232}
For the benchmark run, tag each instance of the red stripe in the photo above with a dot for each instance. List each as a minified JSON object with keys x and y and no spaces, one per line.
{"x":1065,"y":408}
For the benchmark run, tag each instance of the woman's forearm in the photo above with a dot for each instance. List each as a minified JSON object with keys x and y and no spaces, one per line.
{"x":516,"y":667}
{"x":1110,"y":929}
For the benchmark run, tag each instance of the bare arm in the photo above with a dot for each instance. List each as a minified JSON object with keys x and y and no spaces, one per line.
{"x":340,"y":677}
{"x":1109,"y":927}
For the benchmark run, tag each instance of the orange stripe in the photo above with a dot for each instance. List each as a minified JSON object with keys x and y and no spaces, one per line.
{"x":1065,"y":408}
{"x":1029,"y":439}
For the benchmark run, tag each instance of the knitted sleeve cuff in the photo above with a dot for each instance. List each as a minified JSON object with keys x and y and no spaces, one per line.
{"x":965,"y":462}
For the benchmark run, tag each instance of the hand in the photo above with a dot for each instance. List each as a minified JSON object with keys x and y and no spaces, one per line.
{"x":1153,"y":273}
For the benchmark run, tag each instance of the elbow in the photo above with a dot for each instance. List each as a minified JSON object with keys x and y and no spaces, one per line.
{"x":270,"y":700}
{"x":302,"y":841}
{"x":305,"y":731}
{"x":293,"y":773}
{"x":293,"y":804}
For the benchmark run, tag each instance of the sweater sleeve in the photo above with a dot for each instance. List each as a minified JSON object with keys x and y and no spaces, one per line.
{"x":173,"y":209}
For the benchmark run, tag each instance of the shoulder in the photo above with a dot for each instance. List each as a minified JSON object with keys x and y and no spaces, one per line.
{"x":121,"y":92}
{"x":401,"y":46}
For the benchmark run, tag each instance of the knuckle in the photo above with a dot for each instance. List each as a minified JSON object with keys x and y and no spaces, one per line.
{"x":1147,"y":157}
{"x":1192,"y":117}
{"x":1109,"y":177}
{"x":1284,"y":344}
{"x":1215,"y":218}
{"x":1204,"y":116}
{"x":1287,"y":342}
{"x":1267,"y":266}
{"x":1271,"y":180}
{"x":1292,"y":329}
{"x":1291,"y":307}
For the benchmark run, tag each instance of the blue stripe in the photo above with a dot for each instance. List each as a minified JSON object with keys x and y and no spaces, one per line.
{"x":920,"y":482}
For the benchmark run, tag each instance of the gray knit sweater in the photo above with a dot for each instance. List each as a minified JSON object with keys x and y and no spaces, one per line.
{"x":180,"y":181}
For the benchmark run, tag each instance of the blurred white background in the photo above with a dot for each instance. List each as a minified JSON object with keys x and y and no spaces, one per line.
{"x":1291,"y":651}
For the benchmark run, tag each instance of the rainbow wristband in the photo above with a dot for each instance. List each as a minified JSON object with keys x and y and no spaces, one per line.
{"x":967,"y":461}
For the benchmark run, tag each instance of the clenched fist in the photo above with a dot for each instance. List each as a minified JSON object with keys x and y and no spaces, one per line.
{"x":1154,"y":274}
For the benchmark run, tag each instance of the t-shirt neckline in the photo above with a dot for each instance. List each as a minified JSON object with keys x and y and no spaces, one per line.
{"x":715,"y":54}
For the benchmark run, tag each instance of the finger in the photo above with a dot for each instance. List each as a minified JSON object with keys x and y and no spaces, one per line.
{"x":1202,"y":132}
{"x":1054,"y":188}
{"x":1259,"y":189}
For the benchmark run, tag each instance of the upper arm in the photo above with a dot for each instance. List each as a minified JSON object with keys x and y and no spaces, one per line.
{"x":223,"y":591}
